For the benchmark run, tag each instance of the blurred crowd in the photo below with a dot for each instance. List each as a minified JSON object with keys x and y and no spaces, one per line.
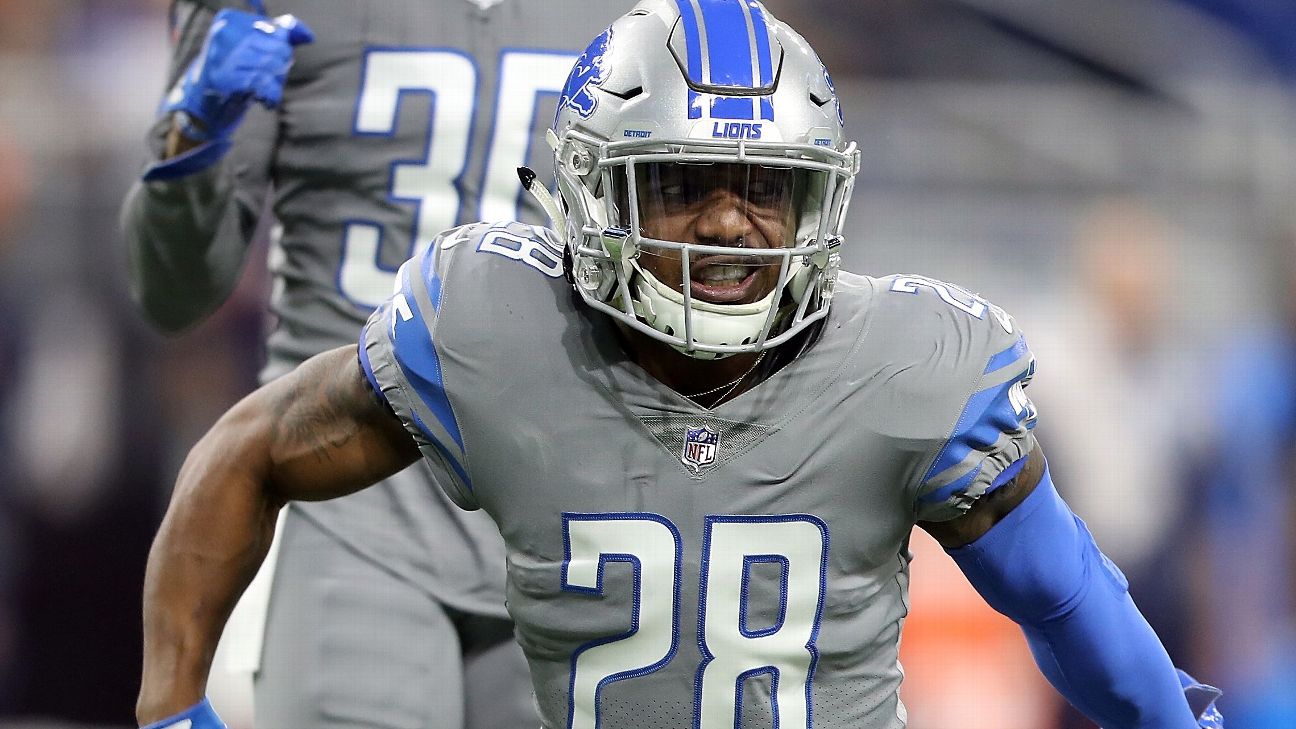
{"x":1116,"y":173}
{"x":97,"y":410}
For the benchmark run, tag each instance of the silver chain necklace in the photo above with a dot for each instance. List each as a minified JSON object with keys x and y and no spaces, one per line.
{"x":731,"y":385}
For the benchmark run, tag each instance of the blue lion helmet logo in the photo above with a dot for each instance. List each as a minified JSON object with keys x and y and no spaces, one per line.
{"x":586,"y":75}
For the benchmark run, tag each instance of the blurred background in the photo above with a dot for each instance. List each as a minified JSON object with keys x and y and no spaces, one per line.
{"x":1118,"y":174}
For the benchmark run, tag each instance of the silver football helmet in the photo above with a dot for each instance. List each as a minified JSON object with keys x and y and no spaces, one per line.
{"x":704,"y":176}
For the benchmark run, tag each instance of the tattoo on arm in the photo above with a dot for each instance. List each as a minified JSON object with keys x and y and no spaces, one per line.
{"x":334,"y":436}
{"x":314,"y":407}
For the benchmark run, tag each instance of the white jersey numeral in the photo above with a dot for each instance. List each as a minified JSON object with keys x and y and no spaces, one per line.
{"x":450,"y":78}
{"x":970,"y":302}
{"x":909,"y":285}
{"x":525,"y":77}
{"x":652,"y":546}
{"x":433,"y":183}
{"x":733,"y":650}
{"x":534,"y":250}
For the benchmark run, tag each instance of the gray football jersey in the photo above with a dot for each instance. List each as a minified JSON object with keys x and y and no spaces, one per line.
{"x":404,"y":118}
{"x":670,"y":565}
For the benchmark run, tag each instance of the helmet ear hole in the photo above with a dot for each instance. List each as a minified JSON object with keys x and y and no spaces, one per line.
{"x":747,"y":340}
{"x":670,"y":330}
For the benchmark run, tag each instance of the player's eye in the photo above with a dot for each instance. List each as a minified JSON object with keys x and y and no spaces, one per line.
{"x":683,"y":192}
{"x":769,"y":188}
{"x":762,"y":193}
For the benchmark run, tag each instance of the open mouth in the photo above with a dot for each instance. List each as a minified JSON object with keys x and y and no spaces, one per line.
{"x":725,"y":280}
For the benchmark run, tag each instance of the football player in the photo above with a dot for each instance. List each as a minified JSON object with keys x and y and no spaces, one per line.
{"x":397,"y":120}
{"x":703,"y":444}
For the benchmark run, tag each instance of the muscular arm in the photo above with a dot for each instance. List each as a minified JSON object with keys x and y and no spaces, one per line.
{"x":316,"y":433}
{"x":1035,"y":562}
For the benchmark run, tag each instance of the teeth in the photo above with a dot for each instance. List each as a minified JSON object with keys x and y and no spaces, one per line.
{"x":729,"y":274}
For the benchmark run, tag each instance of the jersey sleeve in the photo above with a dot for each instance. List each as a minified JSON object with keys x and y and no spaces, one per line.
{"x":187,"y":237}
{"x":401,"y":358}
{"x":990,"y":423}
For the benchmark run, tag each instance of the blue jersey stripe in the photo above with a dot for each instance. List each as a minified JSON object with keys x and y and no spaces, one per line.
{"x":429,"y":275}
{"x":958,"y":486}
{"x":944,"y":493}
{"x":418,"y":359}
{"x":728,"y":43}
{"x":431,"y":437}
{"x":987,"y":415}
{"x":449,"y":457}
{"x":1008,"y":356}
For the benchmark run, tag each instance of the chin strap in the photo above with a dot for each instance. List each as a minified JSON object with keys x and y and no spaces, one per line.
{"x":663,"y":308}
{"x":546,"y":200}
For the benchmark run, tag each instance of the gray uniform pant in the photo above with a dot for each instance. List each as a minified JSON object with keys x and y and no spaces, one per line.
{"x":349,"y":645}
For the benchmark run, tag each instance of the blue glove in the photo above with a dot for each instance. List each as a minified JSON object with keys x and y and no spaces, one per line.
{"x":245,"y":58}
{"x":1201,"y":698}
{"x":199,"y":716}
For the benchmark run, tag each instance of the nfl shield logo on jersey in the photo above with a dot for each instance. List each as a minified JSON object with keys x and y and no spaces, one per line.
{"x":700,"y":446}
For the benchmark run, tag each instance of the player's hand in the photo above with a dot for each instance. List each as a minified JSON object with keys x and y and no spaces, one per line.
{"x":199,"y":716}
{"x":1201,"y":698}
{"x":245,"y":58}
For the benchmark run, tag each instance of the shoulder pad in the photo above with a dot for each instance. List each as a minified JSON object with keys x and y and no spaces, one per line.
{"x":952,"y":295}
{"x":967,"y":366}
{"x":530,"y":245}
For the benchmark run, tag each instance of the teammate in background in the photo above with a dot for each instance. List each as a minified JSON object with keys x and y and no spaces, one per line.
{"x":704,"y":475}
{"x":399,"y":119}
